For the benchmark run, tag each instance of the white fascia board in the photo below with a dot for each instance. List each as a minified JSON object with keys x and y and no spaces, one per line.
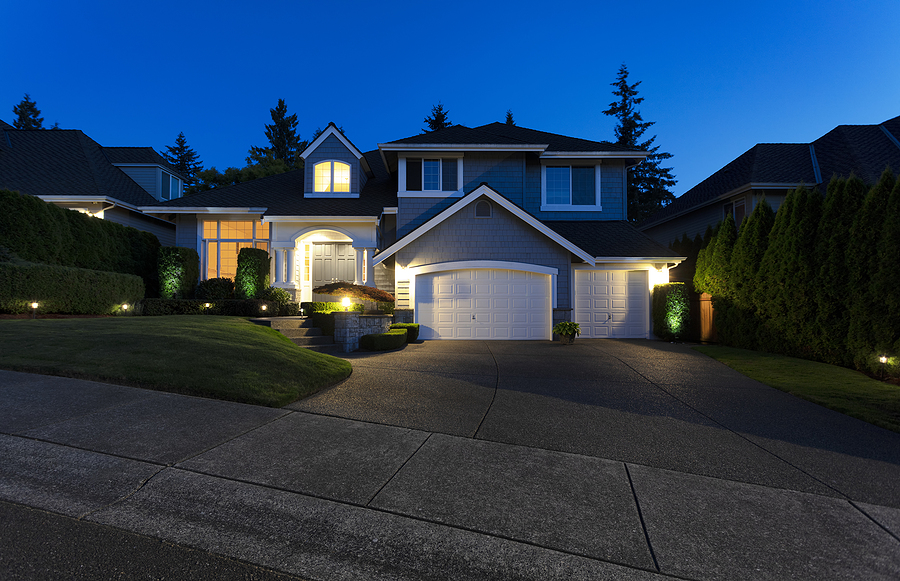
{"x":461,"y":147}
{"x":199,"y":210}
{"x":592,"y":154}
{"x":88,"y":200}
{"x":392,"y":210}
{"x":498,"y":199}
{"x":331,"y":130}
{"x":332,"y":219}
{"x":632,"y":259}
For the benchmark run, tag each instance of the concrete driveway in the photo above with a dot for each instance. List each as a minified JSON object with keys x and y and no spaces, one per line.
{"x":476,"y":460}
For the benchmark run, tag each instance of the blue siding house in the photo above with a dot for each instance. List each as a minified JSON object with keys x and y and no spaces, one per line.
{"x":492,"y":232}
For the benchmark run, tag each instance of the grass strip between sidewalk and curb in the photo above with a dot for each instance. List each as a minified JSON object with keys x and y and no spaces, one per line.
{"x":226,"y":358}
{"x":837,"y":388}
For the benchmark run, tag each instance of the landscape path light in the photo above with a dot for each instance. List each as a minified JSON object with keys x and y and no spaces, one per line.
{"x":34,"y":307}
{"x":346,"y":303}
{"x":883,"y":360}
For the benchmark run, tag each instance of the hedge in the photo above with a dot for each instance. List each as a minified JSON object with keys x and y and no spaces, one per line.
{"x":393,"y":339}
{"x":318,"y":307}
{"x":227,"y":307}
{"x":179,"y":270}
{"x":252,"y":275}
{"x":671,"y":310}
{"x":65,"y":289}
{"x":45,"y":233}
{"x":412,"y":330}
{"x":215,"y":289}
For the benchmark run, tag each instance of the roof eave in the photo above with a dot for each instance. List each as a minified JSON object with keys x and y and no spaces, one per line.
{"x":462,"y":147}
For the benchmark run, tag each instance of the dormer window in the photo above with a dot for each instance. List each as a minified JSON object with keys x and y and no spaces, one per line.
{"x":332,"y":176}
{"x":171,"y":186}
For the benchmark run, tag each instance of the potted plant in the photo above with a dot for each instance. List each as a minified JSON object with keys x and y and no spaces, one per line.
{"x":566,"y":331}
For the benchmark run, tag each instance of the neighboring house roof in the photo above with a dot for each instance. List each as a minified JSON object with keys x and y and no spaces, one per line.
{"x":610,"y":239}
{"x":863,"y":150}
{"x":139,"y":156}
{"x":63,"y":162}
{"x":282,"y":195}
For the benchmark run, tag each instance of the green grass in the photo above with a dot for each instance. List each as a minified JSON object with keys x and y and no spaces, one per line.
{"x":219,"y":357}
{"x":837,"y":388}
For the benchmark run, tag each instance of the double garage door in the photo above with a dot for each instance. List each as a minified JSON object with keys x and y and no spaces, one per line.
{"x":483,"y":304}
{"x":612,"y":303}
{"x":512,"y":304}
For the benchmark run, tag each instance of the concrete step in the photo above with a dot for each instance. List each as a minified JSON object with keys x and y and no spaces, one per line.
{"x":307,"y":341}
{"x":301,"y":332}
{"x":283,"y":322}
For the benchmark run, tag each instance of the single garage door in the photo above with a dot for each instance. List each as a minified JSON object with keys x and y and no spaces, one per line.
{"x":483,"y":304}
{"x":612,"y":303}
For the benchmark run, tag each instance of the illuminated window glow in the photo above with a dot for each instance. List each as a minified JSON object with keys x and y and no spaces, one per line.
{"x":332,"y":176}
{"x":223,"y":240}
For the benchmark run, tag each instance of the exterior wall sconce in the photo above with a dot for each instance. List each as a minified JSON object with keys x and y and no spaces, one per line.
{"x":34,"y":308}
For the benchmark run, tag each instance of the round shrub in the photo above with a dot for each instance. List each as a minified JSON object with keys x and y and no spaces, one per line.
{"x":215,"y":289}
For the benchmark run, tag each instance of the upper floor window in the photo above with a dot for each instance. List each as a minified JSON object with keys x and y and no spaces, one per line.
{"x":431,"y":175}
{"x":568,"y":186}
{"x":171,"y":186}
{"x":332,"y":176}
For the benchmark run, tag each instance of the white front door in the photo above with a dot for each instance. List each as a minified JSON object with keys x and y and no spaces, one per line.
{"x":612,"y":303}
{"x":483,"y":304}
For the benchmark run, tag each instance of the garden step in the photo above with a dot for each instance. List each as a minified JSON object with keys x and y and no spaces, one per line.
{"x":307,"y":341}
{"x":284,"y":322}
{"x":301,"y":332}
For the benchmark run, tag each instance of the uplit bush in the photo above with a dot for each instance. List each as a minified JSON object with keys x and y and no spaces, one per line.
{"x":671,"y":310}
{"x":179,"y":269}
{"x":252,"y":276}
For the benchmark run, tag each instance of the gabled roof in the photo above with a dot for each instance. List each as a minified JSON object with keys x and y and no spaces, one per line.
{"x":498,"y":198}
{"x":611,"y":239}
{"x":332,"y":129}
{"x":282,"y":195}
{"x":63,"y":162}
{"x":864,"y":150}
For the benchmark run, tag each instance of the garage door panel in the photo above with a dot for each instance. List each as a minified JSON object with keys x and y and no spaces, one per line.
{"x":483,"y":304}
{"x":611,"y":303}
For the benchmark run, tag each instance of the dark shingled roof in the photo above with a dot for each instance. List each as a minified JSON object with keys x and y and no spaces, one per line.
{"x":282,"y":195}
{"x":63,"y":162}
{"x":503,"y":134}
{"x":130,"y":155}
{"x":863,"y":150}
{"x":612,"y":238}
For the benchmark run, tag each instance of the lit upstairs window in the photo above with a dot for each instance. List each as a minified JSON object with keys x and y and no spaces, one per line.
{"x":332,"y":176}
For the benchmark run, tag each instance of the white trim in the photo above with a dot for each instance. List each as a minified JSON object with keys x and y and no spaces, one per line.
{"x":88,"y":200}
{"x":319,"y":219}
{"x":312,"y":229}
{"x":430,"y":194}
{"x":629,"y":260}
{"x":331,"y":193}
{"x":484,"y":190}
{"x":199,"y":210}
{"x":595,"y":207}
{"x":390,"y":210}
{"x":594,"y":154}
{"x":331,"y":130}
{"x":440,"y":155}
{"x":423,"y":193}
{"x":412,"y":147}
{"x":334,"y":195}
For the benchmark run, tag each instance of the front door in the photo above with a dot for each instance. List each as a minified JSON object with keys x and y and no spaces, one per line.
{"x":332,"y":262}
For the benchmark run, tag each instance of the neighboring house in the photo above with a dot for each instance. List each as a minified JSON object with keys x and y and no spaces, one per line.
{"x":67,"y":168}
{"x":493,"y":232}
{"x":774,"y":169}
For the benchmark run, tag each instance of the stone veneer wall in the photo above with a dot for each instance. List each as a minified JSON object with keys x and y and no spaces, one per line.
{"x":350,"y":326}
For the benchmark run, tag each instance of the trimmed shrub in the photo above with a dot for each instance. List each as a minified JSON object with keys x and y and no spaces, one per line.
{"x":44,"y":233}
{"x":319,"y":307}
{"x":224,"y":307}
{"x":393,"y":339}
{"x":179,"y":270}
{"x":324,"y":321}
{"x":281,"y":299}
{"x":412,"y":330}
{"x":252,"y":276}
{"x":671,"y":310}
{"x":67,"y":290}
{"x":214,"y":289}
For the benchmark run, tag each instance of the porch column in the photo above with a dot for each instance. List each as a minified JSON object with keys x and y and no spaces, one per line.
{"x":370,"y":268}
{"x":279,"y":265}
{"x":359,"y":265}
{"x":289,"y":266}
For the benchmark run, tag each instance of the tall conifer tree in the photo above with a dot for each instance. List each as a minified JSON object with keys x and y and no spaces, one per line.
{"x":184,"y":159}
{"x":285,"y":146}
{"x":27,"y":114}
{"x":648,"y":183}
{"x":439,"y":119}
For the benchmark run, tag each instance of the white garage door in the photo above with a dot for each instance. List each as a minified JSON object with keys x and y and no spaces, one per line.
{"x":612,"y":303}
{"x":483,"y":304}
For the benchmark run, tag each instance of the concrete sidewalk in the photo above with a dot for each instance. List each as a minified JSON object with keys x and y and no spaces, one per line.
{"x":476,"y":460}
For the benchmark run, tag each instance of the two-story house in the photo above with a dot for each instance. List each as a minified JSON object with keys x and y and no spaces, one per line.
{"x":67,"y":168}
{"x":493,"y":232}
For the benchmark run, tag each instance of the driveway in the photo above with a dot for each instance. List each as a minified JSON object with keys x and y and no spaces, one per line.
{"x":465,"y":460}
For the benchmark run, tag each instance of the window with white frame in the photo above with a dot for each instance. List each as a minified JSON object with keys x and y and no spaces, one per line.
{"x":567,"y":186}
{"x":331,"y":176}
{"x":431,"y":175}
{"x":223,"y":240}
{"x":171,"y":186}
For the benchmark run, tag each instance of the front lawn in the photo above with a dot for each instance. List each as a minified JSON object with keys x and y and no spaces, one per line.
{"x":837,"y":388}
{"x":220,"y":357}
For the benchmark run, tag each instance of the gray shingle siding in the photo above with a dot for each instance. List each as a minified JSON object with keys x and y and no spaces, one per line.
{"x":501,"y":237}
{"x":502,"y":171}
{"x":413,"y":212}
{"x":331,"y":149}
{"x":186,"y":231}
{"x":146,"y":177}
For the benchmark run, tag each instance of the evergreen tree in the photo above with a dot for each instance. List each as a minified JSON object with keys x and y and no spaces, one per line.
{"x":184,"y":160}
{"x":27,"y":115}
{"x":648,"y":183}
{"x":886,"y":325}
{"x":862,"y":259}
{"x":799,"y":272}
{"x":509,"y":117}
{"x":284,"y":143}
{"x":748,"y":253}
{"x":438,"y":119}
{"x":718,"y":271}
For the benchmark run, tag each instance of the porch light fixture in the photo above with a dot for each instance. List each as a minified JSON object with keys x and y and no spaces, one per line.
{"x":34,"y":308}
{"x":346,"y":303}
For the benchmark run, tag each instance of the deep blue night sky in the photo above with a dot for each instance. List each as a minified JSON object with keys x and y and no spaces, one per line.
{"x":717,"y":78}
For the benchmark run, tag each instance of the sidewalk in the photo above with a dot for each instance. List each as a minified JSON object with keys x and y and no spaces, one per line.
{"x":325,"y":497}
